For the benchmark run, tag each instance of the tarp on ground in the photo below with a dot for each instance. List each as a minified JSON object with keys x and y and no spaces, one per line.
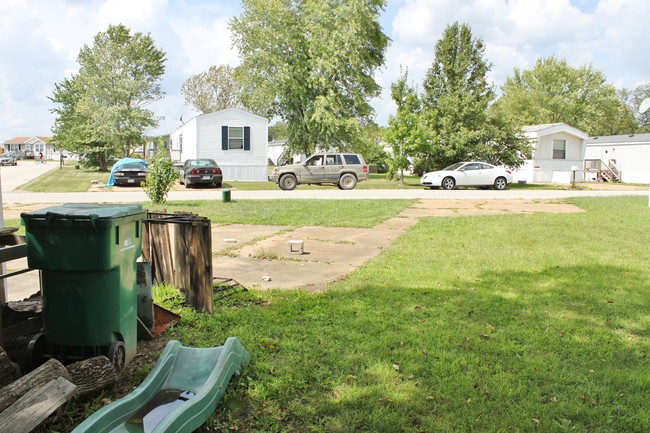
{"x":120,"y":163}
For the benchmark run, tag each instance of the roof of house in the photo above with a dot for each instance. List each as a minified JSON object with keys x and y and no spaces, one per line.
{"x":218,"y":113}
{"x":552,"y":128}
{"x":620,"y":139}
{"x":28,"y":140}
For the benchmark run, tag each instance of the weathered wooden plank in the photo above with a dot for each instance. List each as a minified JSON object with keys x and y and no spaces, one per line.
{"x":43,"y":374}
{"x":179,"y":236}
{"x":35,"y":406}
{"x":165,"y":268}
{"x":202,"y":269}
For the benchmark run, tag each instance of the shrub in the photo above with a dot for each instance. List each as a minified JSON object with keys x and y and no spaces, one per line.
{"x":161,"y":176}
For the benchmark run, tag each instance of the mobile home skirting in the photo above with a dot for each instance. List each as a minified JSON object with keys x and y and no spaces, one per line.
{"x":244,"y":172}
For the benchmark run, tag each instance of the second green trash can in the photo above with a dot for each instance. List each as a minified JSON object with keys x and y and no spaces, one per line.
{"x":87,"y":256}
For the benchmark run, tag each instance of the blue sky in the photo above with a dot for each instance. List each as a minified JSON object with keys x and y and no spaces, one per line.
{"x":40,"y":40}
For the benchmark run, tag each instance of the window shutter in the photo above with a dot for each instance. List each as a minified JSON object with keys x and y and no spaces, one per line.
{"x":224,"y":138}
{"x":247,"y":138}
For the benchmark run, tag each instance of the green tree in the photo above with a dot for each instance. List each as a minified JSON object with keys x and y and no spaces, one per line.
{"x":213,"y":90}
{"x":161,"y":175}
{"x":455,"y":108}
{"x":102,"y":109}
{"x":312,"y":63}
{"x":278,"y":131}
{"x":406,"y":133}
{"x":554,"y":92}
{"x":632,"y":100}
{"x":372,"y":146}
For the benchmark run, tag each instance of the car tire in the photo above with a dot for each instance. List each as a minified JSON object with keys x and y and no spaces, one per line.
{"x":186,"y":183}
{"x":217,"y":184}
{"x":288,"y":182}
{"x":500,"y":183}
{"x":448,"y":183}
{"x":347,"y":181}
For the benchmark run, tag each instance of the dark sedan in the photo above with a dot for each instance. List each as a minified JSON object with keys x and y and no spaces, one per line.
{"x":130,"y":173}
{"x":201,"y":171}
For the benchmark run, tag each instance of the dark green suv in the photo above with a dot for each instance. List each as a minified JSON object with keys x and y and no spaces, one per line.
{"x":341,"y":169}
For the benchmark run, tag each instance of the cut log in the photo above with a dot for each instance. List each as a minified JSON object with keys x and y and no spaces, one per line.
{"x":92,"y":375}
{"x":42,"y":375}
{"x":35,"y":406}
{"x":8,"y":371}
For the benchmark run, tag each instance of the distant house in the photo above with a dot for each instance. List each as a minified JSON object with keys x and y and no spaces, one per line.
{"x":619,"y":157}
{"x":235,"y":138}
{"x":151,"y":142}
{"x":559,"y":151}
{"x":27,"y":147}
{"x":275,"y":149}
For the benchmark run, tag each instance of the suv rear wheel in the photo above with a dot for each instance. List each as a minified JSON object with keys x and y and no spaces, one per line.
{"x":288,"y":182}
{"x":347,"y":181}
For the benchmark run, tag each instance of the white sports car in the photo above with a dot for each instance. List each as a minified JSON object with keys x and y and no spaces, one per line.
{"x":468,"y":174}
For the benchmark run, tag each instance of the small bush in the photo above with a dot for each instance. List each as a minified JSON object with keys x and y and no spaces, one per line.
{"x":161,"y":176}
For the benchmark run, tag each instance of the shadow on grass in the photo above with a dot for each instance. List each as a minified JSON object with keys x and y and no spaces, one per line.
{"x":562,"y":349}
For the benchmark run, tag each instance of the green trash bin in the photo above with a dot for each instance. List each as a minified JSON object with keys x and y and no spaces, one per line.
{"x":87,"y":256}
{"x":225,"y":195}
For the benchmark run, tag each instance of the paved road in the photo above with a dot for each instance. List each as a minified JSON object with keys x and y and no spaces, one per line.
{"x":13,"y":177}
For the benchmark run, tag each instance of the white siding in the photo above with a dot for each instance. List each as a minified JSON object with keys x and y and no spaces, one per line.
{"x":202,"y":139}
{"x":187,"y":149}
{"x":544,"y":168}
{"x":631,"y":158}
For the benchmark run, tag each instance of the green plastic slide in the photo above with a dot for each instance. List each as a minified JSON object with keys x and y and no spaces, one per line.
{"x":178,"y":395}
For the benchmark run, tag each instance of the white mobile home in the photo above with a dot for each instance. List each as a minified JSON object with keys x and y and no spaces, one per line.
{"x":235,"y":138}
{"x":626,"y":154}
{"x":558,"y":153}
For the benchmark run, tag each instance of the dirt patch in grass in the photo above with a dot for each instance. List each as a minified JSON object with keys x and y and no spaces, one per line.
{"x":265,"y":261}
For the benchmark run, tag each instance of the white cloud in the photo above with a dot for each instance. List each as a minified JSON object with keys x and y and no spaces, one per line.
{"x":40,"y":41}
{"x":609,"y":34}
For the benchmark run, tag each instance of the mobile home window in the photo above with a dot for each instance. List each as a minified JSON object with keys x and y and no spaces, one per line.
{"x":559,"y":149}
{"x":235,"y":137}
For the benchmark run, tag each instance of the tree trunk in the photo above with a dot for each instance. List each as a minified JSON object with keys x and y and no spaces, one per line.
{"x":92,"y":375}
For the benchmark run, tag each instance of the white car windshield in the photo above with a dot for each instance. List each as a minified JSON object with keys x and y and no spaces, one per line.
{"x":453,"y":166}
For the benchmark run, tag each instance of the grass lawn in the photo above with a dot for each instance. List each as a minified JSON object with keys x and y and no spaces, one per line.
{"x":510,"y":323}
{"x":290,"y":212}
{"x":66,"y":179}
{"x":70,"y":179}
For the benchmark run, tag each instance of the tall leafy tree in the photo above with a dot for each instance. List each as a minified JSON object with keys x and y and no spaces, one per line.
{"x":312,"y":63}
{"x":456,"y":100}
{"x":633,"y":99}
{"x":406,"y":133}
{"x":101,"y":110}
{"x":213,"y":90}
{"x":553,"y":91}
